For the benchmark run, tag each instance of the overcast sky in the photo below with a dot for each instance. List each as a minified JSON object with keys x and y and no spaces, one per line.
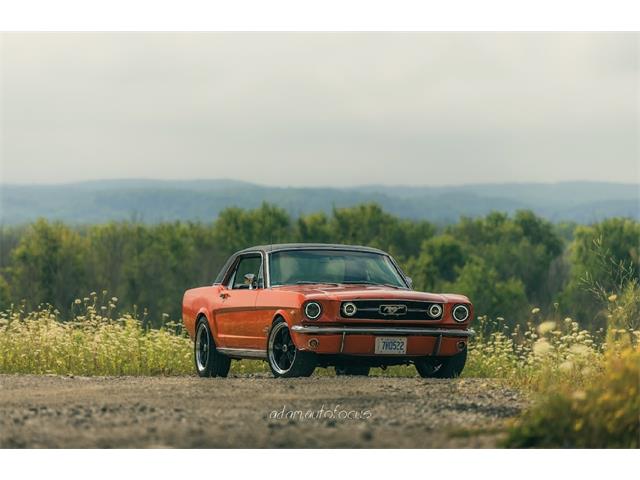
{"x":306,"y":109}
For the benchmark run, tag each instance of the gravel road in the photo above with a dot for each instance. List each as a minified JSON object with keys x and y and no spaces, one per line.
{"x":252,"y":412}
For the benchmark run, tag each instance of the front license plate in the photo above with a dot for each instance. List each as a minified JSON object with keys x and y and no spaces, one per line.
{"x":391,"y":345}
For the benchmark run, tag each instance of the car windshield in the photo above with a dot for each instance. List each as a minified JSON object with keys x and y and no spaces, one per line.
{"x":291,"y":267}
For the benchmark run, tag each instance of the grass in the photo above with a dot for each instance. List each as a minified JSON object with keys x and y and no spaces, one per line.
{"x":99,"y":341}
{"x":95,"y":341}
{"x":586,"y":388}
{"x":585,"y":384}
{"x":604,"y":413}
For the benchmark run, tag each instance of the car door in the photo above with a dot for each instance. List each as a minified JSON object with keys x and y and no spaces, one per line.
{"x":236,"y":319}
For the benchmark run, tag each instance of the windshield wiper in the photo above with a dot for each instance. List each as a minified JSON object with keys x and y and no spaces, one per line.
{"x":307,"y":282}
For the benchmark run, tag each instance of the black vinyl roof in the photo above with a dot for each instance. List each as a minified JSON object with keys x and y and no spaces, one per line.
{"x":276,"y":247}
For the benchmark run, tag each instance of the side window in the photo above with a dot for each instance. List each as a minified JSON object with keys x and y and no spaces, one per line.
{"x":249,"y":265}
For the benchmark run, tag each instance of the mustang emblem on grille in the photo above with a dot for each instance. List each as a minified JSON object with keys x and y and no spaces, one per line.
{"x":393,"y":309}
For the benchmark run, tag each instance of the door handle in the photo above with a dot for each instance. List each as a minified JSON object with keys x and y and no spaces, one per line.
{"x":224,"y":295}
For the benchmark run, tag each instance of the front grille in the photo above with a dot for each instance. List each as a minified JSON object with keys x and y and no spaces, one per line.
{"x":391,"y":310}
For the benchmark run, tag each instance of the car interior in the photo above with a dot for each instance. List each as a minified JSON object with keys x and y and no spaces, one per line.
{"x":248,"y":273}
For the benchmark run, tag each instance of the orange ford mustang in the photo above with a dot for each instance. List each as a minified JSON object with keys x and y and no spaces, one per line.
{"x":302,"y":306}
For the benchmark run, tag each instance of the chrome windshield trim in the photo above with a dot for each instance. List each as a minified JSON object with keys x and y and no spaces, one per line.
{"x":243,"y":352}
{"x":267,"y":272}
{"x":345,"y":248}
{"x":322,"y":330}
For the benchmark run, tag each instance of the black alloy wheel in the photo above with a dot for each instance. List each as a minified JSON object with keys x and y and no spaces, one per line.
{"x":285,"y":360}
{"x":209,"y":362}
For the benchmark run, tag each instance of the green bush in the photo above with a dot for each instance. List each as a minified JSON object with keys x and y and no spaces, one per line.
{"x":605,"y":414}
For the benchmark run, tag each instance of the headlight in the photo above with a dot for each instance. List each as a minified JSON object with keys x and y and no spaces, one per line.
{"x":460,"y":313}
{"x":435,"y":310}
{"x":349,"y":309}
{"x":312,"y":310}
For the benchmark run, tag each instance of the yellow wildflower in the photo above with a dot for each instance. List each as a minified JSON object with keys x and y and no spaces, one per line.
{"x":541,"y":347}
{"x":566,"y":366}
{"x":579,"y":395}
{"x":546,"y":327}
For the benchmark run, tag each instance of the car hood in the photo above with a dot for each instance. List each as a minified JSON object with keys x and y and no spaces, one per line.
{"x":363,"y":292}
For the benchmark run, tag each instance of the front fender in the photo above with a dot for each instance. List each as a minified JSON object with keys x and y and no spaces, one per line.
{"x":288,"y":314}
{"x":290,"y":310}
{"x":291,"y":316}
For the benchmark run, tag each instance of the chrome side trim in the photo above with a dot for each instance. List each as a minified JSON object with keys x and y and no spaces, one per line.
{"x":320,"y":330}
{"x":243,"y":352}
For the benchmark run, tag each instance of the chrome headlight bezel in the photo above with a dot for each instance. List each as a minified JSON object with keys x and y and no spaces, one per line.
{"x":461,"y":307}
{"x":312,"y":304}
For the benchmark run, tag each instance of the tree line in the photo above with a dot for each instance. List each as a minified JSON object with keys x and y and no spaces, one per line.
{"x":505,"y":264}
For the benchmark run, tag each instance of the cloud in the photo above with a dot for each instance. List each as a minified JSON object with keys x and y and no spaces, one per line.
{"x":320,"y":108}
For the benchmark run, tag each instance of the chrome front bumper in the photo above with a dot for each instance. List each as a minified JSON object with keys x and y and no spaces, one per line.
{"x":322,"y":330}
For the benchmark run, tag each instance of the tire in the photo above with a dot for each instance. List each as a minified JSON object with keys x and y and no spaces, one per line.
{"x":355,"y":370}
{"x":443,"y":367}
{"x":208,"y":361}
{"x":285,"y":360}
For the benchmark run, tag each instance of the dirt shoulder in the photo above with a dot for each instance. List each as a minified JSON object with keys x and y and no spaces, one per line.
{"x":251,"y":412}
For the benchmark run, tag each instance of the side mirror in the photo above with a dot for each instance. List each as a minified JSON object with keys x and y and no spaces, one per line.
{"x":409,"y":281}
{"x":250,"y":279}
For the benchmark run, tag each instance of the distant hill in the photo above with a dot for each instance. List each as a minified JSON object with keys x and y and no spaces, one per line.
{"x":155,"y":200}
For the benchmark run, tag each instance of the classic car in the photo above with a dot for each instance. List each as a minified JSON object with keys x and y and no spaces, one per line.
{"x":302,"y":306}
